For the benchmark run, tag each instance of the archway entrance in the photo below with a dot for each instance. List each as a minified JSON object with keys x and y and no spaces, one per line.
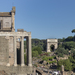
{"x":52,"y":44}
{"x":52,"y":47}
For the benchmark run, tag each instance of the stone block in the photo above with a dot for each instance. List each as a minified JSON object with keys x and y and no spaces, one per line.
{"x":20,"y":30}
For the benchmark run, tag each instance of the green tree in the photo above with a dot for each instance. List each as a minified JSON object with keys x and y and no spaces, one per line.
{"x":59,"y":64}
{"x":67,"y":64}
{"x":40,"y":43}
{"x":60,"y":46}
{"x":34,"y":53}
{"x":72,"y":60}
{"x":73,"y":31}
{"x":68,"y":45}
{"x":37,"y":49}
{"x":69,"y":38}
{"x":61,"y":51}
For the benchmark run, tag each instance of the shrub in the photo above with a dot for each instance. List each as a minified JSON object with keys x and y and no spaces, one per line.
{"x":45,"y":58}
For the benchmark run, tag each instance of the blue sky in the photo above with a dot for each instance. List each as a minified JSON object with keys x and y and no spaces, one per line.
{"x":43,"y":18}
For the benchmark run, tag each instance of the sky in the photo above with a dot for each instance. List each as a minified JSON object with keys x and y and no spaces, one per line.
{"x":43,"y":18}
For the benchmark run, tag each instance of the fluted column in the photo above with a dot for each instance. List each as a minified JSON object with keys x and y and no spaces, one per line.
{"x":29,"y":52}
{"x":15,"y":52}
{"x":22,"y":51}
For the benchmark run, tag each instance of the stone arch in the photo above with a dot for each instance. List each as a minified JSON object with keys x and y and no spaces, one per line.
{"x":52,"y":42}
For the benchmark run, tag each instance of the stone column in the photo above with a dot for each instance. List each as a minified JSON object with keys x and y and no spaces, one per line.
{"x":48,"y":47}
{"x":22,"y":51}
{"x":29,"y":52}
{"x":15,"y":52}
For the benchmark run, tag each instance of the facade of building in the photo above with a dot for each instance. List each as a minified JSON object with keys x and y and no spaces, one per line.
{"x":12,"y":46}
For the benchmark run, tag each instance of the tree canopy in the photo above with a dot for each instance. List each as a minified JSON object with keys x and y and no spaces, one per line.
{"x":73,"y":31}
{"x":37,"y":49}
{"x":67,"y":64}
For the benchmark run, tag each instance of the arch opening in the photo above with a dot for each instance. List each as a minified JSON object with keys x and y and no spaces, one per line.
{"x":52,"y":47}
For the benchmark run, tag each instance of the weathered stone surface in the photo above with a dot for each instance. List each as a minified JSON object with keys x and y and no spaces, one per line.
{"x":20,"y":30}
{"x":15,"y":34}
{"x":11,"y":49}
{"x":4,"y":51}
{"x":52,"y":42}
{"x":3,"y":72}
{"x":16,"y":70}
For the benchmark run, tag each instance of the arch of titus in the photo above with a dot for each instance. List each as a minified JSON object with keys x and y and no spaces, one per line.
{"x":12,"y":46}
{"x":51,"y":42}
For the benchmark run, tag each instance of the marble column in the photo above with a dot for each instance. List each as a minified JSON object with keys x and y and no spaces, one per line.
{"x":15,"y":52}
{"x":22,"y":51}
{"x":29,"y":52}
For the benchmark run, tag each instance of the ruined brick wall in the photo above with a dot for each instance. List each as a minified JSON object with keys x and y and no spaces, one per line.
{"x":4,"y":51}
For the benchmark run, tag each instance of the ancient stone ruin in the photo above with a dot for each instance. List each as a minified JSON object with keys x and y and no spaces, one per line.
{"x":51,"y":42}
{"x":12,"y":46}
